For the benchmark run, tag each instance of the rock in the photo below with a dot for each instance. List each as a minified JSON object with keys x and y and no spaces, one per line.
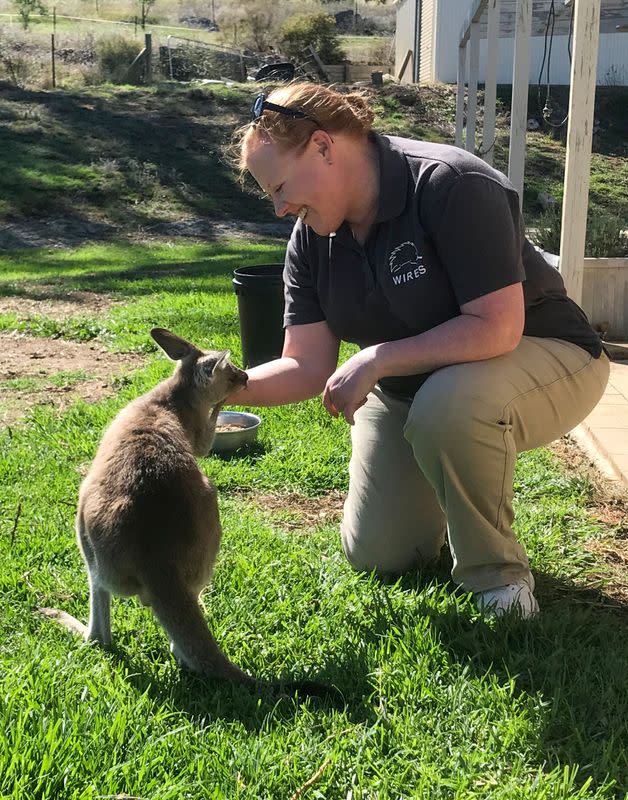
{"x":546,"y":200}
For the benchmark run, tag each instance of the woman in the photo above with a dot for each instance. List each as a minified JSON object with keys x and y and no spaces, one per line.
{"x":470,"y":349}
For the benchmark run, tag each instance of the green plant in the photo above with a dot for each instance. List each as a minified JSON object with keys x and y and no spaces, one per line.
{"x":25,"y":8}
{"x":318,"y":30}
{"x":115,"y":54}
{"x":605,"y":235}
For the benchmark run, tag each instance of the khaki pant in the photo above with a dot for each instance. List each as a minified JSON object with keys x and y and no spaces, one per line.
{"x":445,"y":462}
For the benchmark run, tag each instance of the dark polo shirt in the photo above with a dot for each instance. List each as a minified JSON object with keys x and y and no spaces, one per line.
{"x":448,"y":230}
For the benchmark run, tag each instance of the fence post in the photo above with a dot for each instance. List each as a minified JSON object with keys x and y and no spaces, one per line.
{"x":148,"y":56}
{"x":52,"y":53}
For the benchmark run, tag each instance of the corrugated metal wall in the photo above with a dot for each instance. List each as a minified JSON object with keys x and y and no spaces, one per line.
{"x":427,"y":31}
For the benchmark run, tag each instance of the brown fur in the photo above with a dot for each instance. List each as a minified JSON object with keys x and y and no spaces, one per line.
{"x":147,"y":521}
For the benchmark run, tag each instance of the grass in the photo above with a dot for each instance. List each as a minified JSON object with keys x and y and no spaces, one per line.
{"x":135,"y":157}
{"x":128,"y":157}
{"x":439,"y":703}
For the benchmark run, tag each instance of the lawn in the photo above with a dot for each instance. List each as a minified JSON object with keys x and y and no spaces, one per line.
{"x":439,"y":703}
{"x":133,"y":158}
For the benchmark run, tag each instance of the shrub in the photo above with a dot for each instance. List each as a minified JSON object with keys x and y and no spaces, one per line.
{"x":317,"y":29}
{"x":250,"y":23}
{"x":115,"y":55}
{"x":18,"y":64}
{"x":605,"y":237}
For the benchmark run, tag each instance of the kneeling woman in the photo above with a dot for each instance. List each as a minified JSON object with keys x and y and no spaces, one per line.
{"x":471,"y":350}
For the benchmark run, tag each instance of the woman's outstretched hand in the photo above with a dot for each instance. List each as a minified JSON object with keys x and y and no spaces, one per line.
{"x":347,"y":389}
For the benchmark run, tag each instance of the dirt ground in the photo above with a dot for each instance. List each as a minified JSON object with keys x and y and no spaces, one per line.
{"x":28,"y":365}
{"x":44,"y":302}
{"x":57,"y":233}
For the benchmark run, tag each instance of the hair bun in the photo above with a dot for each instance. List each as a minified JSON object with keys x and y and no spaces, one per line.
{"x":361,"y":109}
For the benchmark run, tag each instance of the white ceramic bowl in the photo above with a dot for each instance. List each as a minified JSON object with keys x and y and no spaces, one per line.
{"x":243,"y":430}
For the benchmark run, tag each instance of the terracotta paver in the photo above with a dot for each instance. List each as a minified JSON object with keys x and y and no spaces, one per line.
{"x":605,"y":430}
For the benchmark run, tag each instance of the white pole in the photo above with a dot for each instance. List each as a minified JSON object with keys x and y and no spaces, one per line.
{"x":579,"y":136}
{"x":519,"y":106}
{"x":474,"y":71}
{"x":490,"y":86}
{"x":462,"y":78}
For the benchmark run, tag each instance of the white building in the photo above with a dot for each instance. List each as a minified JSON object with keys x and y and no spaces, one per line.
{"x":430,"y":31}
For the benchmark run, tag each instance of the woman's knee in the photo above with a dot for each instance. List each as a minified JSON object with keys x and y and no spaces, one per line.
{"x":385,"y":553}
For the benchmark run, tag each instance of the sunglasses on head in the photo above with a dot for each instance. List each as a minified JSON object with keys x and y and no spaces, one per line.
{"x":261,"y":104}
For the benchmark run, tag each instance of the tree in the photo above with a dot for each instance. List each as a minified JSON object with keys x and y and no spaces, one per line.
{"x":25,"y":8}
{"x":317,"y":29}
{"x":145,"y":7}
{"x":249,"y":23}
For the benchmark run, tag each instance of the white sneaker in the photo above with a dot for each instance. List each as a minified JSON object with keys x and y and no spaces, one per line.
{"x":515,"y":597}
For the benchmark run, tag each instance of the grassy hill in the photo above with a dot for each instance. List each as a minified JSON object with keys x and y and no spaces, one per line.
{"x":132,"y":158}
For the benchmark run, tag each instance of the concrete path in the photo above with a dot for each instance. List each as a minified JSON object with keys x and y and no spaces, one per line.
{"x":604,"y":433}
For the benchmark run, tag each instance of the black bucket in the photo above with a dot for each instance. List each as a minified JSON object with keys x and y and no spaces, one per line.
{"x":259,"y":290}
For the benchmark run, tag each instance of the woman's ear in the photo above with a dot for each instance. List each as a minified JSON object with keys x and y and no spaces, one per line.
{"x":323,"y":143}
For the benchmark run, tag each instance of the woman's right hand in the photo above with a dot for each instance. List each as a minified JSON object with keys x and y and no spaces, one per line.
{"x":310,"y":356}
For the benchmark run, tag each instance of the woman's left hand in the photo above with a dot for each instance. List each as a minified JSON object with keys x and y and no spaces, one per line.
{"x":347,"y":389}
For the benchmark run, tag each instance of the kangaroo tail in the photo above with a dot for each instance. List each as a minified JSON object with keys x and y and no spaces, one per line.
{"x":65,"y":619}
{"x":192,"y":643}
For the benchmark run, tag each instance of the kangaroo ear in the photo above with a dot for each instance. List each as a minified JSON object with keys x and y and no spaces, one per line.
{"x":222,"y":360}
{"x":173,"y":346}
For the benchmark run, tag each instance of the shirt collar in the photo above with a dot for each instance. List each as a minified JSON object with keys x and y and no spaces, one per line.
{"x":393,"y":178}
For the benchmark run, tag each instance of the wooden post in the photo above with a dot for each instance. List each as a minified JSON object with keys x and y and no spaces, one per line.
{"x":148,"y":57}
{"x":462,"y":78}
{"x":490,"y":84}
{"x":319,"y":63}
{"x":407,"y":58}
{"x":579,"y":137}
{"x":52,"y":54}
{"x":474,"y":71}
{"x":519,"y":105}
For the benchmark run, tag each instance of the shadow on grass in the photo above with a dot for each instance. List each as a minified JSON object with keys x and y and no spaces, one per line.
{"x":340,"y":686}
{"x":210,"y":270}
{"x":573,"y":657}
{"x":109,"y":153}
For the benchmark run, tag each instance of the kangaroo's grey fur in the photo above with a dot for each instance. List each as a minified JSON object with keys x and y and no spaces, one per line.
{"x":147,"y":521}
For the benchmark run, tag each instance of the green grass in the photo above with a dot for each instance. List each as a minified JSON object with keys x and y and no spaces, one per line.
{"x":126,"y":156}
{"x":134,"y":157}
{"x":439,"y":704}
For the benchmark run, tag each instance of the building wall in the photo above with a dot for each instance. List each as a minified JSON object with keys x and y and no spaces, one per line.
{"x":404,"y":39}
{"x":429,"y":10}
{"x":612,"y":65}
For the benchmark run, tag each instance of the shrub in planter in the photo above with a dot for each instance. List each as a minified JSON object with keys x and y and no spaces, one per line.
{"x":317,"y":29}
{"x":605,"y":238}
